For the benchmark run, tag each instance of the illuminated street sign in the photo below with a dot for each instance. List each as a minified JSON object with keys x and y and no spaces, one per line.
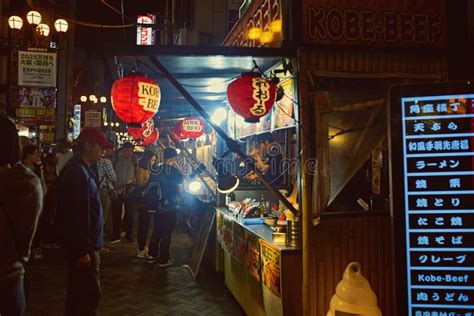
{"x":432,"y":138}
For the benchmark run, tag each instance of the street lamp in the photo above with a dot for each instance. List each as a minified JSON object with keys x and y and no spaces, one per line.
{"x":15,"y":22}
{"x":33,"y":18}
{"x":43,"y":29}
{"x":61,"y":25}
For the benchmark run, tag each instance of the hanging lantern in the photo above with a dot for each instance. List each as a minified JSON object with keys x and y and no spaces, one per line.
{"x":135,"y":98}
{"x":151,"y":139}
{"x":192,"y":127}
{"x":176,"y":132}
{"x":143,"y":131}
{"x":251,"y":96}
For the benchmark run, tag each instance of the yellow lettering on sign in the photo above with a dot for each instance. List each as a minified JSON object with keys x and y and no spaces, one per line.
{"x":149,"y":96}
{"x":261,"y":94}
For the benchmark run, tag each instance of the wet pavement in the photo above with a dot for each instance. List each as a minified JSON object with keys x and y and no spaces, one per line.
{"x":132,"y":286}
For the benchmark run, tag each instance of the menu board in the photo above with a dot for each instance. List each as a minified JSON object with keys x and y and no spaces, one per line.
{"x":432,"y":140}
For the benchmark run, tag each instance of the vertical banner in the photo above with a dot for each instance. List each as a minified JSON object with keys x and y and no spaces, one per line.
{"x":77,"y":121}
{"x":36,"y":69}
{"x":432,"y":162}
{"x":146,"y":35}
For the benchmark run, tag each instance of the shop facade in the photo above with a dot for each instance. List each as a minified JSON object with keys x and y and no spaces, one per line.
{"x":348,"y":57}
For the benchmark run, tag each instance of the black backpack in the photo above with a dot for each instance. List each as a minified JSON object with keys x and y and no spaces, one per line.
{"x":153,"y":193}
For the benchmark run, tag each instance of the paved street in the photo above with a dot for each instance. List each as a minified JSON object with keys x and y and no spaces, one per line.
{"x":134,"y":287}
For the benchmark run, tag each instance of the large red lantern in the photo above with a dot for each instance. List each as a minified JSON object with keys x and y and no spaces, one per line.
{"x":192,"y":127}
{"x":251,"y":96}
{"x":135,"y":98}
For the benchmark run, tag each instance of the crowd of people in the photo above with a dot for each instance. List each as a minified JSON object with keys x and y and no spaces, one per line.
{"x":69,"y":197}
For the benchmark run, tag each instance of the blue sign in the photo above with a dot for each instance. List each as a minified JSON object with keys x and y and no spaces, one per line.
{"x":434,"y":205}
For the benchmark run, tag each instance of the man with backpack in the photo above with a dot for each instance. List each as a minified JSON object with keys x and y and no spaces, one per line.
{"x":162,"y":196}
{"x":80,"y":210}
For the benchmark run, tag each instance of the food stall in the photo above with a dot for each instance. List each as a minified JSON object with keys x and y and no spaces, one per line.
{"x":330,"y":118}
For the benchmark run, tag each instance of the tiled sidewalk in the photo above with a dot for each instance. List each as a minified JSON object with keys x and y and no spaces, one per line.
{"x":133,"y":287}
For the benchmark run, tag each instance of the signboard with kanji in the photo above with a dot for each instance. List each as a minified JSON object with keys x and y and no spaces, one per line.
{"x":432,"y":163}
{"x":36,"y":69}
{"x":380,"y":23}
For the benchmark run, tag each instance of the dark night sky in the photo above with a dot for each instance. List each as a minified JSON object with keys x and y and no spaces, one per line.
{"x":93,"y":11}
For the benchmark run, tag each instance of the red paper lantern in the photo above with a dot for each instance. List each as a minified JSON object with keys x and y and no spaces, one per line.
{"x":146,"y":134}
{"x":150,"y":140}
{"x":251,"y":96}
{"x":135,"y":98}
{"x":143,"y":131}
{"x":192,"y":127}
{"x":176,"y":132}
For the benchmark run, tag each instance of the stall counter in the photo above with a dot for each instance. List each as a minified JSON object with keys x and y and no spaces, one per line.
{"x":264,"y":277}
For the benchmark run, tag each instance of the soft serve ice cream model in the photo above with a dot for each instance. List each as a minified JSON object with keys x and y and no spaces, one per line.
{"x":354,"y":295}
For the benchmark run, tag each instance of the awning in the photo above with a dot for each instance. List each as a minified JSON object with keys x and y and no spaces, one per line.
{"x":204,"y":72}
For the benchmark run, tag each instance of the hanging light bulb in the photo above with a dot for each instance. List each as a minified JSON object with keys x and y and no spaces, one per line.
{"x":83,"y":98}
{"x":43,"y":29}
{"x":15,"y":22}
{"x":266,"y":37}
{"x":61,"y":25}
{"x":33,"y":18}
{"x":92,"y":97}
{"x":220,"y":114}
{"x":254,"y":33}
{"x":103,"y":99}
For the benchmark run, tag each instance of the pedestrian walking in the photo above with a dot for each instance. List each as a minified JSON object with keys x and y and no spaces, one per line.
{"x":170,"y":182}
{"x":124,"y":165}
{"x":145,"y":165}
{"x":80,"y":206}
{"x":107,"y":179}
{"x":21,"y":201}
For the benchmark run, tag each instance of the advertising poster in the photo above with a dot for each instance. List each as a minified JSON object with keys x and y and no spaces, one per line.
{"x":47,"y":134}
{"x":239,"y":244}
{"x":36,"y":69}
{"x":283,"y":111}
{"x":270,"y":268}
{"x":92,"y":119}
{"x":253,"y":255}
{"x":36,"y":106}
{"x":224,"y":232}
{"x":219,"y":220}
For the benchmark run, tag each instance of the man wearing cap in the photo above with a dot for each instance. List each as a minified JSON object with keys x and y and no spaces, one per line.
{"x":79,"y":201}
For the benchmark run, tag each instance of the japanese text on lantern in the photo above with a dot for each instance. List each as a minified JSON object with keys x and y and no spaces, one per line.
{"x":438,"y":139}
{"x":149,"y":96}
{"x":261,"y":94}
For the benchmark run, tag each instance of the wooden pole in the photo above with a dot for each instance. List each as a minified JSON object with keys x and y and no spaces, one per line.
{"x":307,"y":141}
